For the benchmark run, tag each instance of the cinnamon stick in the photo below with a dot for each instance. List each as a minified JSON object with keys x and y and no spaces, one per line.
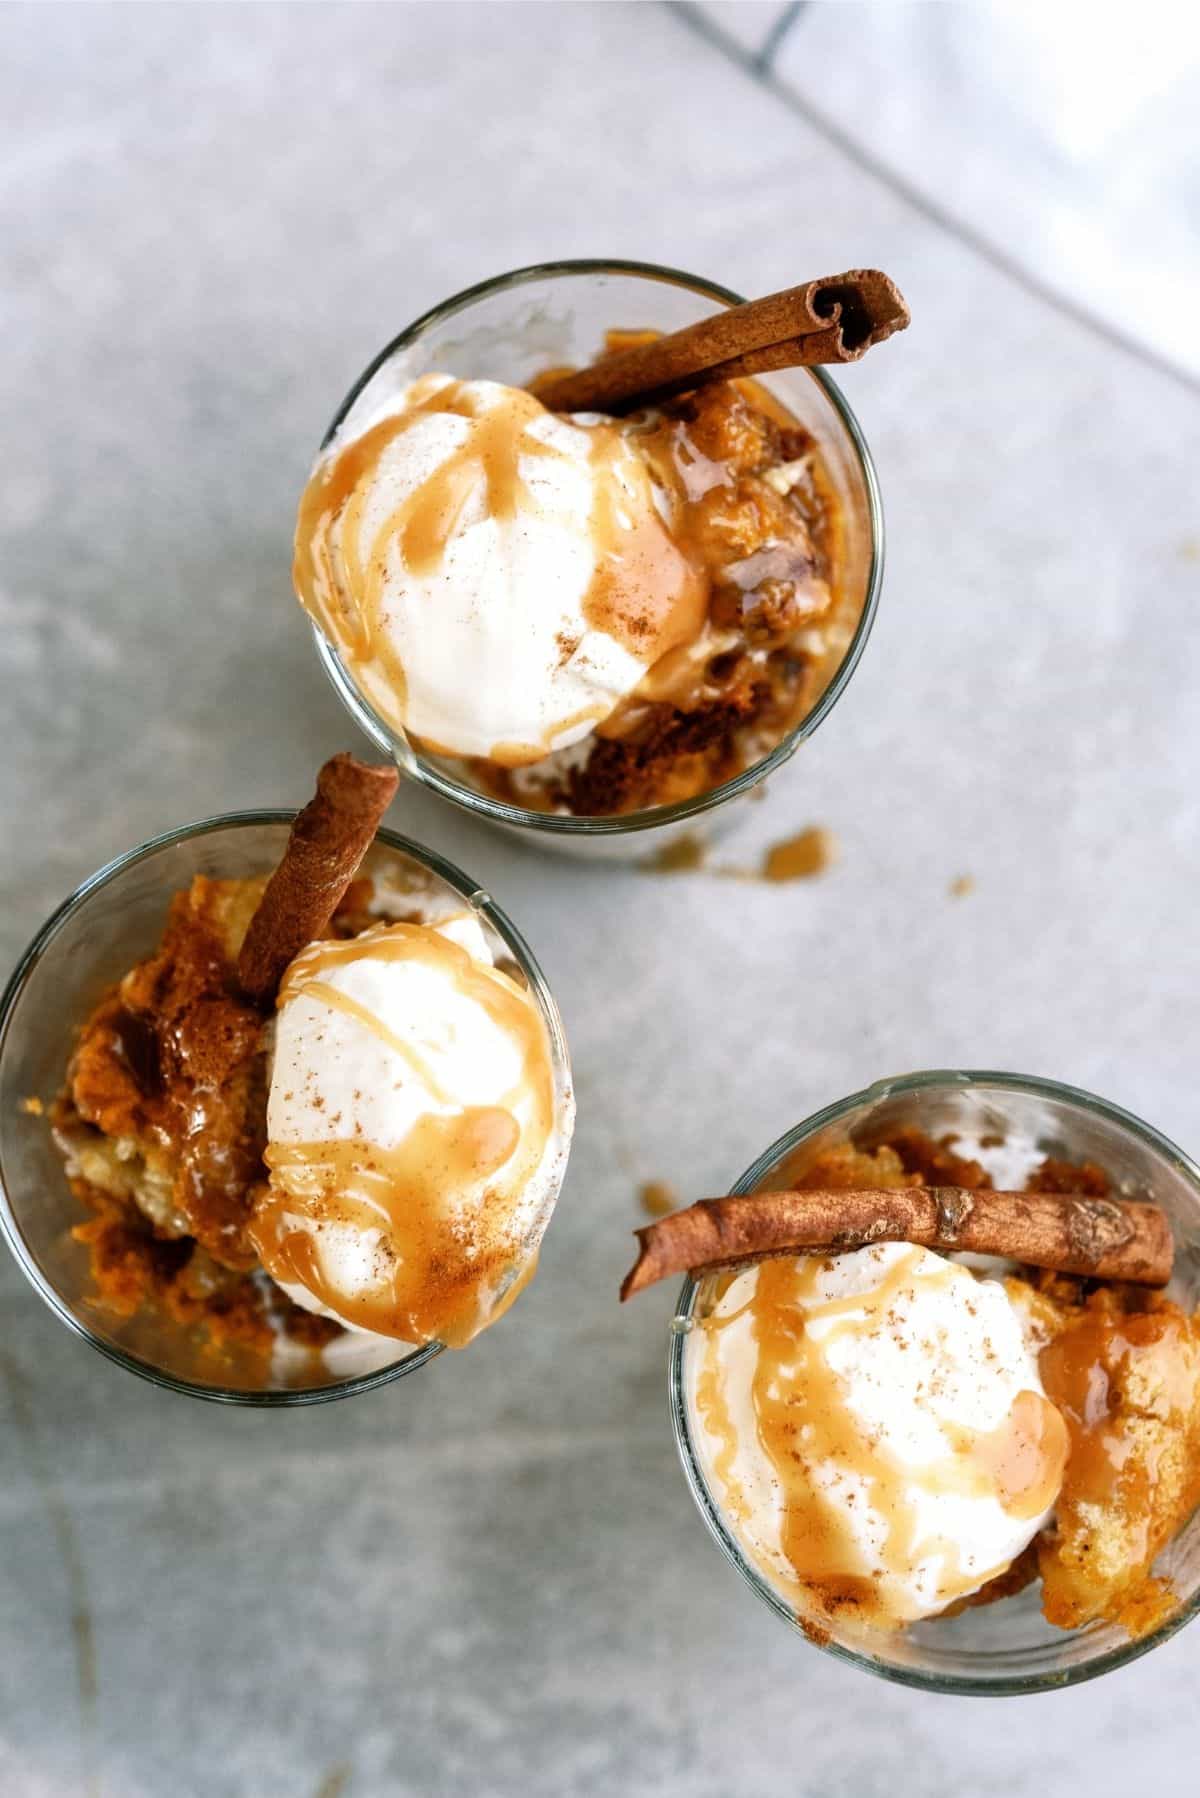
{"x":1102,"y":1239}
{"x":836,"y":319}
{"x":328,"y":841}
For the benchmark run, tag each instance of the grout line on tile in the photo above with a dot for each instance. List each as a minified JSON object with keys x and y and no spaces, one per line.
{"x":771,"y":45}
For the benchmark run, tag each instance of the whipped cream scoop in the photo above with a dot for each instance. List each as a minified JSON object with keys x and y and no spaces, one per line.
{"x":874,"y":1427}
{"x":495,"y":578}
{"x":415,"y":1147}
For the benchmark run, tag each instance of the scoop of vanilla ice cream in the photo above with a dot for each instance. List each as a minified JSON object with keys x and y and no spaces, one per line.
{"x":892,"y":1432}
{"x":415,"y":1141}
{"x":495,"y":578}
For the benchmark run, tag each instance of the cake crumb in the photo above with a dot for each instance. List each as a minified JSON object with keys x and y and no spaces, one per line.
{"x":961,"y":886}
{"x":33,"y":1107}
{"x":656,"y":1198}
{"x":686,"y":855}
{"x":801,"y":857}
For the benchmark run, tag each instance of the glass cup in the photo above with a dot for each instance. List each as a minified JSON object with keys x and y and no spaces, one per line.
{"x":516,"y":326}
{"x":114,"y":920}
{"x":1005,"y":1647}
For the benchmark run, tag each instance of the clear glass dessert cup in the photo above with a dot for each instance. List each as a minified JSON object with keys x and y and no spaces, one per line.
{"x":1006,"y":1647}
{"x":556,"y":314}
{"x":114,"y":920}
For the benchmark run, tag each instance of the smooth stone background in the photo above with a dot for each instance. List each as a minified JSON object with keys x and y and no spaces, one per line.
{"x":490,"y":1578}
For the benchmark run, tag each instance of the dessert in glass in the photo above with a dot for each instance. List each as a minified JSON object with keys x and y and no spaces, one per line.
{"x":935,"y":1380}
{"x":579,"y":619}
{"x":285,"y":1104}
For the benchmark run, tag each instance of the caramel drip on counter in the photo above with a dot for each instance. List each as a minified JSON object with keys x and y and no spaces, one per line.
{"x":805,"y":1423}
{"x":801,"y":857}
{"x":646,"y":592}
{"x":441,"y":1273}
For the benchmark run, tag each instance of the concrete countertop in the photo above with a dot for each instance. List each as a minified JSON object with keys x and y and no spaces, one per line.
{"x":491,"y":1579}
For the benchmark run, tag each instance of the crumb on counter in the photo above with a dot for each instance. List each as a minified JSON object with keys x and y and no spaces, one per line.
{"x":808,"y":853}
{"x":685,"y":855}
{"x":657,"y":1198}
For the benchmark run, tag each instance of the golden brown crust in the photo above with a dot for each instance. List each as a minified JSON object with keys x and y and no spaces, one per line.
{"x":328,"y":841}
{"x":173,"y":1060}
{"x":1124,"y":1370}
{"x":132,"y":1265}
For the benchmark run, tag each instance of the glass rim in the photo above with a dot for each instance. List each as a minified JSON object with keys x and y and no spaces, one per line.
{"x":499,"y":811}
{"x":969,"y":1685}
{"x":480,"y":901}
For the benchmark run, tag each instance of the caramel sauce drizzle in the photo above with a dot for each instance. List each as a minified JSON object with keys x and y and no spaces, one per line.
{"x":804,"y":1422}
{"x":650,"y":590}
{"x":647,"y":592}
{"x":370,"y":1020}
{"x":442,"y":1272}
{"x":348,"y":609}
{"x":519,"y":755}
{"x":1022,"y":1459}
{"x":714,"y":1408}
{"x":1084,"y":1369}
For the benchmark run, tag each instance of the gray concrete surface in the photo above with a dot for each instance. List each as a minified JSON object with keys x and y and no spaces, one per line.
{"x":490,"y":1579}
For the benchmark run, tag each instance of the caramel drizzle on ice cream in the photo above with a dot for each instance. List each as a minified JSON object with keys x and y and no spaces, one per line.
{"x":646,"y":592}
{"x":805,"y":1423}
{"x":442,"y":1270}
